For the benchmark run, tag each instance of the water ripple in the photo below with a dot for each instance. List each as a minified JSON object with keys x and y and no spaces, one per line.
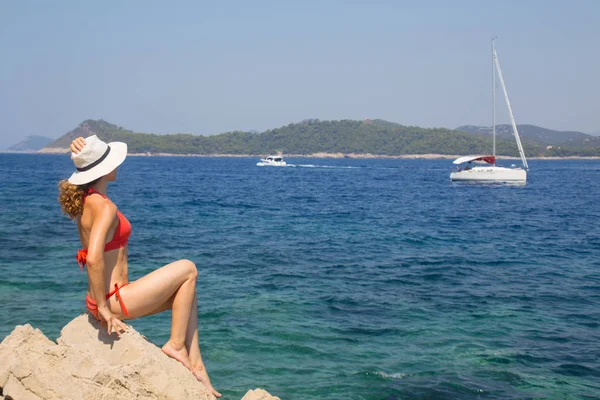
{"x":370,"y":279}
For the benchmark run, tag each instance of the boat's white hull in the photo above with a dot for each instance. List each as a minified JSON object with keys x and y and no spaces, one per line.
{"x":271,"y":164}
{"x":490,"y":174}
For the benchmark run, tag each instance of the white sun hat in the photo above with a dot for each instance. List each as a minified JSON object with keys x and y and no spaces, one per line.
{"x":96,"y":160}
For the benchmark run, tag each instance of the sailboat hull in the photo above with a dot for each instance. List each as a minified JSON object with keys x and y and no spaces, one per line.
{"x":490,"y":174}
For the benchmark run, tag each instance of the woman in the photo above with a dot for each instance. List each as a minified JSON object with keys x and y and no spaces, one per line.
{"x":104,"y":233}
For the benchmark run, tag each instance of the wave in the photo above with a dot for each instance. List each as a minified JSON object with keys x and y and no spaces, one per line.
{"x":397,"y":375}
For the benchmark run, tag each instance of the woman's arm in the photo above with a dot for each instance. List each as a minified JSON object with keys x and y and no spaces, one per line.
{"x":104,"y":213}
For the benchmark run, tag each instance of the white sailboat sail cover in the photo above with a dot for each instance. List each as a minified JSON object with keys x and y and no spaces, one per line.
{"x":487,"y":159}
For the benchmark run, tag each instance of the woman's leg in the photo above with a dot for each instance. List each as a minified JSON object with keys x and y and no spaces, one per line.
{"x":174,"y":283}
{"x":193,"y":345}
{"x":157,"y":292}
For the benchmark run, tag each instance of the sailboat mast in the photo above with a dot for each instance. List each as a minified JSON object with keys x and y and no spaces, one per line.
{"x":512,"y":118}
{"x":493,"y":101}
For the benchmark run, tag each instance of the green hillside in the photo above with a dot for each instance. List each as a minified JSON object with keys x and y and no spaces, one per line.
{"x":376,"y":137}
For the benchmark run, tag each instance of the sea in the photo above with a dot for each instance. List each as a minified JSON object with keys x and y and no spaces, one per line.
{"x":339,"y":278}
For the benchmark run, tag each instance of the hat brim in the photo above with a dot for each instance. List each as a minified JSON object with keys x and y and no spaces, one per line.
{"x":118,"y":153}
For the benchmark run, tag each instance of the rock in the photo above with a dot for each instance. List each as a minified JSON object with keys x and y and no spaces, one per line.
{"x":32,"y":364}
{"x":259,"y":394}
{"x":88,"y":364}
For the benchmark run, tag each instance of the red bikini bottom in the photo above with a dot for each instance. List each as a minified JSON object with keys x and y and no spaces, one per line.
{"x":92,"y":306}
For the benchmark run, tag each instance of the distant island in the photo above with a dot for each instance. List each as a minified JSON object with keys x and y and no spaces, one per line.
{"x":538,"y":135}
{"x":345,"y":137}
{"x":31,"y":143}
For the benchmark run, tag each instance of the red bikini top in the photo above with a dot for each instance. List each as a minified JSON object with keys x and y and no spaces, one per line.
{"x":120,"y":238}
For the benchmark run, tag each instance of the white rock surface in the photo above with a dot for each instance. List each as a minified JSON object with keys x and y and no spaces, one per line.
{"x":88,"y":364}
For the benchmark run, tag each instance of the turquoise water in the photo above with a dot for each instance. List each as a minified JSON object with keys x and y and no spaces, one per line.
{"x":340,"y":279}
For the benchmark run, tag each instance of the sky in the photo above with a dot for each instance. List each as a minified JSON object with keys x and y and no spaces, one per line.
{"x":211,"y":67}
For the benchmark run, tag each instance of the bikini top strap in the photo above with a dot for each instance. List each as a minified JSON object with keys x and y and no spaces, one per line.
{"x":91,"y":191}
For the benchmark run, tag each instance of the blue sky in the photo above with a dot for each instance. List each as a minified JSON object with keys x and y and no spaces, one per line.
{"x":211,"y":67}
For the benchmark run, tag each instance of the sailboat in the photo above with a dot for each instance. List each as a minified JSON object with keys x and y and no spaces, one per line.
{"x":489,"y":171}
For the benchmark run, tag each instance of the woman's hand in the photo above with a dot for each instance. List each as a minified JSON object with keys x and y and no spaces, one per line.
{"x":77,"y":145}
{"x":112,"y":321}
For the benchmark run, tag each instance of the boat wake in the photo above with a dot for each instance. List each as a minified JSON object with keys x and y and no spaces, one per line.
{"x":320,"y":166}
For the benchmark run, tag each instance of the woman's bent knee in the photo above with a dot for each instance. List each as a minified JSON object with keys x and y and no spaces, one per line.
{"x":190,"y":268}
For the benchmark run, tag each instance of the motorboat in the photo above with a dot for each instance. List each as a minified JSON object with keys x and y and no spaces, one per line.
{"x":272,"y":161}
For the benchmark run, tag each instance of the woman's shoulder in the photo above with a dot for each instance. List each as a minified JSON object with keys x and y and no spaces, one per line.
{"x":100,"y":206}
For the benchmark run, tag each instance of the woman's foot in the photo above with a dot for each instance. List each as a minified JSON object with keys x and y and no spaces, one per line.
{"x":180,"y":355}
{"x":200,"y":373}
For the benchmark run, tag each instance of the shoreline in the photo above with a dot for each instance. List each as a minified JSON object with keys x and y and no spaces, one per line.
{"x":430,"y":156}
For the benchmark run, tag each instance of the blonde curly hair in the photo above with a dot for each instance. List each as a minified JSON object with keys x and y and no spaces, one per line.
{"x":71,"y":197}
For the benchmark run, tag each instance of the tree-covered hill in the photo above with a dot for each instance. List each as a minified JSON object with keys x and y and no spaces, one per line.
{"x":312,"y":136}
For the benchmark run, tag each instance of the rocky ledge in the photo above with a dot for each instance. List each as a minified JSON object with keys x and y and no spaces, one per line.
{"x":88,"y":364}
